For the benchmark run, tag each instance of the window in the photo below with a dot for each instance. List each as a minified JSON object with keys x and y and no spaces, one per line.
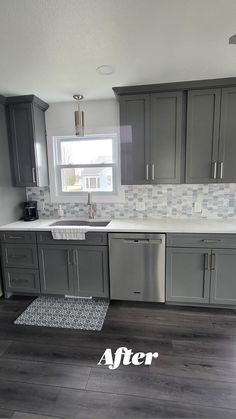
{"x":84,"y":164}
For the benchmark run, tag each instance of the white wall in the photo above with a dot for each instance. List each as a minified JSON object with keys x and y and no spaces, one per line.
{"x":100,"y":116}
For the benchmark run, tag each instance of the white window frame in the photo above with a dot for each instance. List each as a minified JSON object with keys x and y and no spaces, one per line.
{"x":56,"y":194}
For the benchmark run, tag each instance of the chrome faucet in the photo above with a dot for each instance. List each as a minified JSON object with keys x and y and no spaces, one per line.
{"x":91,"y":206}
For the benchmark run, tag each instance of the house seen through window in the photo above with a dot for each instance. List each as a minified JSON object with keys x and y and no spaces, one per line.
{"x":86,"y":164}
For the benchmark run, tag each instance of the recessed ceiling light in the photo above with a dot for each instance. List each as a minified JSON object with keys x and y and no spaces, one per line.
{"x":105,"y":70}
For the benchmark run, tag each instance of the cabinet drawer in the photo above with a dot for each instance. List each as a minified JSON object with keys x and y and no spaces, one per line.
{"x":202,"y":240}
{"x":21,"y":280}
{"x":18,"y":255}
{"x":18,"y":236}
{"x":93,"y":238}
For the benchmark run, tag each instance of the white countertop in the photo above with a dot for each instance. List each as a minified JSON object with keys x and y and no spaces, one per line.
{"x":148,"y":225}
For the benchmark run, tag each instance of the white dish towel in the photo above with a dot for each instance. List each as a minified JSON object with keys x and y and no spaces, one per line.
{"x":69,"y":233}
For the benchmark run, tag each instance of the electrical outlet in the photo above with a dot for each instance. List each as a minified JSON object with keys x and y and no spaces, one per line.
{"x":198,"y":207}
{"x":140,"y":206}
{"x":41,"y":206}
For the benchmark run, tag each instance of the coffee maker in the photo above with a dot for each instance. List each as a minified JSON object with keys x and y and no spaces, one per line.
{"x":30,"y":211}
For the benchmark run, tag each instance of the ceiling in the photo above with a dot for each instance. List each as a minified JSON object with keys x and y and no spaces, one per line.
{"x":52,"y":47}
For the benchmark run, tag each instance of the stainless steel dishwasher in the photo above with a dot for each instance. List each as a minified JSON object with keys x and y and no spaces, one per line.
{"x":137,"y":266}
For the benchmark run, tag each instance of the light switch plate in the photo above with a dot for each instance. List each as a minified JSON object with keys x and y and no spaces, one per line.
{"x":197,"y":207}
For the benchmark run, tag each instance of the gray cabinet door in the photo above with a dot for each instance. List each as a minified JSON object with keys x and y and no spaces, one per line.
{"x":203,"y":118}
{"x":21,"y":280}
{"x":166,"y":137}
{"x":135,"y":138}
{"x":188,"y":275}
{"x":56,"y":269}
{"x":22,"y":143}
{"x":91,"y":271}
{"x":223,"y":277}
{"x":19,"y":255}
{"x":227,"y":144}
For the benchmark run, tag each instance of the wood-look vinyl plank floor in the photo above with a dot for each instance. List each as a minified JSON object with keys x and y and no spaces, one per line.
{"x":50,"y":373}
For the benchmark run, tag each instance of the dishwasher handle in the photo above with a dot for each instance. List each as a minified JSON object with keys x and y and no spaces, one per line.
{"x":143,"y":241}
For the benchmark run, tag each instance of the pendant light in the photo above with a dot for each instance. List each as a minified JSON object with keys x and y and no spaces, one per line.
{"x":232,"y":39}
{"x":79,"y":117}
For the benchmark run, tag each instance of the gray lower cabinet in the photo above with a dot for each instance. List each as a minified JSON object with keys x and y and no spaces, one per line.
{"x":188,"y":275}
{"x":19,"y":259}
{"x":56,"y":269}
{"x":201,"y":269}
{"x":34,"y":263}
{"x":19,"y":255}
{"x":223,"y":277}
{"x":74,"y":270}
{"x":91,"y":271}
{"x":18,"y":280}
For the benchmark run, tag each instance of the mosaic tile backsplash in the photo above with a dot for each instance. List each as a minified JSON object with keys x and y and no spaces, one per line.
{"x":217,"y":201}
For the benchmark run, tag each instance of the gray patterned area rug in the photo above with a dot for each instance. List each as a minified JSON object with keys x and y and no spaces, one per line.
{"x":69,"y":313}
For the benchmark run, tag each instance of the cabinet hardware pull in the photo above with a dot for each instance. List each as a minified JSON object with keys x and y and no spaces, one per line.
{"x":213,"y":262}
{"x":16,"y":237}
{"x":147,"y":171}
{"x":142,"y":241}
{"x":33,"y":175}
{"x":153,"y":172}
{"x":211,"y":241}
{"x":221,"y":169}
{"x":17,"y":256}
{"x":20,"y":281}
{"x":68,"y":257}
{"x":206,"y":262}
{"x":75,"y":257}
{"x":214,"y":169}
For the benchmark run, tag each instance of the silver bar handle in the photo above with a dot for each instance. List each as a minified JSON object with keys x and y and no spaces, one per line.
{"x":211,"y":241}
{"x":213,"y":262}
{"x":17,"y":257}
{"x":75,"y":257}
{"x":221,"y":163}
{"x":68,"y":257}
{"x":153,"y":171}
{"x":16,"y":237}
{"x":33,"y":175}
{"x":206,"y":262}
{"x":147,"y":171}
{"x":214,"y":169}
{"x":143,"y":241}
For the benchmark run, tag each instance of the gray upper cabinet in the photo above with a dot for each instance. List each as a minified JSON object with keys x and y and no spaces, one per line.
{"x":27,"y":131}
{"x":223,"y":277}
{"x":211,"y":127}
{"x":188,"y":275}
{"x":203,"y":118}
{"x":135,"y":138}
{"x":151,"y":138}
{"x":227,"y":143}
{"x":166,"y":137}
